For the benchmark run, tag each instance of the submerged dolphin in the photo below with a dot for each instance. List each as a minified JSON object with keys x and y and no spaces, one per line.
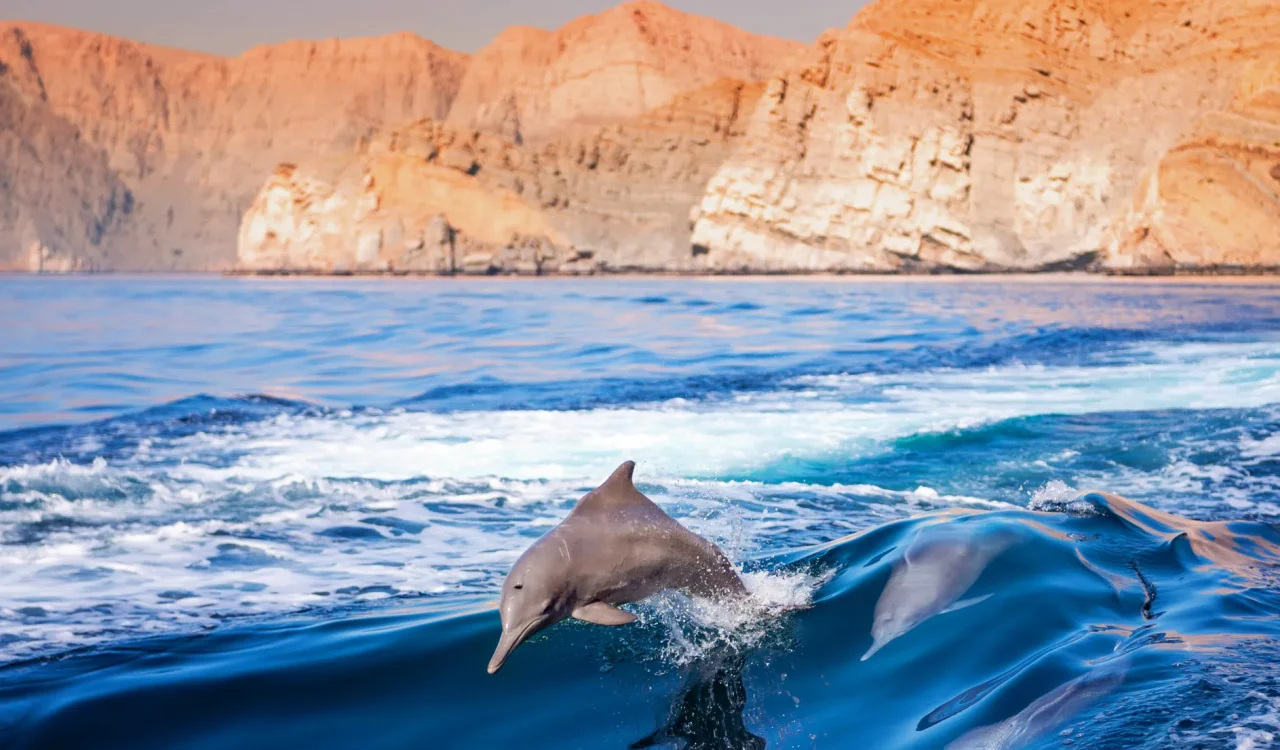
{"x":1048,"y":712}
{"x":935,"y":571}
{"x":615,"y":547}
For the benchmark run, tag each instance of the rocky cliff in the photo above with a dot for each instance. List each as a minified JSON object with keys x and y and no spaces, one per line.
{"x":176,"y":142}
{"x":928,"y":135}
{"x":44,"y":163}
{"x":1214,"y":198}
{"x":429,"y":197}
{"x":989,"y":135}
{"x":529,"y":84}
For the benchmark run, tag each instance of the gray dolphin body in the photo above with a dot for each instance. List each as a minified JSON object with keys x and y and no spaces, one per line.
{"x":615,"y":547}
{"x":934,"y":572}
{"x":1046,"y":713}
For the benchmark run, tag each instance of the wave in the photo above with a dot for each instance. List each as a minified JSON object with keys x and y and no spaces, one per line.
{"x":180,"y":548}
{"x":815,"y":416}
{"x":207,"y":509}
{"x":1070,"y":642}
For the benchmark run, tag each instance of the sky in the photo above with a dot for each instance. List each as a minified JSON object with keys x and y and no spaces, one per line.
{"x":229,"y":27}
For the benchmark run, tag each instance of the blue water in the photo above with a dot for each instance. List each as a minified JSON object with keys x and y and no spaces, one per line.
{"x":243,"y":513}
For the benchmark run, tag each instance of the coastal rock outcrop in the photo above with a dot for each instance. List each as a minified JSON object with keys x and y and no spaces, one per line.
{"x":989,"y":135}
{"x":388,"y":212}
{"x":615,"y":198}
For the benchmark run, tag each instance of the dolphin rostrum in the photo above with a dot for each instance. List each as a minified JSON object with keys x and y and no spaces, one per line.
{"x":935,"y":571}
{"x":615,"y":547}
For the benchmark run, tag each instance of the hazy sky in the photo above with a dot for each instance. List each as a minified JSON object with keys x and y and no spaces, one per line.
{"x":231,"y":26}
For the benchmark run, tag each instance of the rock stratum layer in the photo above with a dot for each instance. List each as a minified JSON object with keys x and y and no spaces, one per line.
{"x":998,"y":135}
{"x":429,"y":197}
{"x":961,"y":135}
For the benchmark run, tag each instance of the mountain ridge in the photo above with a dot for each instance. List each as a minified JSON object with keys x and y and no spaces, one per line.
{"x":924,"y":136}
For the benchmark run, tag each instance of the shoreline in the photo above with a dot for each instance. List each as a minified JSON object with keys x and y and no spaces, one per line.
{"x":1224,"y":273}
{"x":1270,"y":275}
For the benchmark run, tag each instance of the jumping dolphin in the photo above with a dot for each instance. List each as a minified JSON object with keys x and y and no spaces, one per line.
{"x":936,"y":570}
{"x":615,"y":547}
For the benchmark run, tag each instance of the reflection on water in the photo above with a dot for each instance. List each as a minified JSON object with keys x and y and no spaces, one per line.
{"x":707,"y":713}
{"x":84,"y":347}
{"x":1048,"y":712}
{"x":975,"y":695}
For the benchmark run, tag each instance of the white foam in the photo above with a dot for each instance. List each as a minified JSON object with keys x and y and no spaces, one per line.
{"x":249,"y":518}
{"x":232,"y":547}
{"x":1057,"y":495}
{"x":1259,"y":730}
{"x":696,"y":628}
{"x":730,"y":436}
{"x":1267,"y":447}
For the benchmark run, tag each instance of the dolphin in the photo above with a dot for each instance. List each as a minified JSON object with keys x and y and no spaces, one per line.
{"x":935,"y":571}
{"x":615,"y":547}
{"x":1048,"y":712}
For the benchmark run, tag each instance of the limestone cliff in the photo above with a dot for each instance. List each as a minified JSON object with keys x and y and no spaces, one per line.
{"x":428,"y":197}
{"x":43,"y":163}
{"x":1214,"y":198}
{"x":189,"y":136}
{"x":530,"y":84}
{"x":974,"y":135}
{"x":989,"y":134}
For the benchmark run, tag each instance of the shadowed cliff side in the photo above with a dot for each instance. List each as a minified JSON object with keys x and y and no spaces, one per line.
{"x":189,"y":136}
{"x":61,"y":206}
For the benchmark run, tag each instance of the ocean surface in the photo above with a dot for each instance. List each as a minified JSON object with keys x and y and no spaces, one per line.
{"x":253,"y":513}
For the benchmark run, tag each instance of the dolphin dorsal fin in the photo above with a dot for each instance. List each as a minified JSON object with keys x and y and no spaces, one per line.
{"x":618,"y":491}
{"x":621,"y":478}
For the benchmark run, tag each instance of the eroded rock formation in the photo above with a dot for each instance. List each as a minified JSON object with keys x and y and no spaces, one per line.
{"x":984,"y":135}
{"x":188,"y":136}
{"x":617,"y":197}
{"x":1214,"y":198}
{"x":530,"y":84}
{"x":928,"y":135}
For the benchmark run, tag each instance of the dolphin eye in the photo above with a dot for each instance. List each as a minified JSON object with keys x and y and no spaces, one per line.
{"x":518,"y":586}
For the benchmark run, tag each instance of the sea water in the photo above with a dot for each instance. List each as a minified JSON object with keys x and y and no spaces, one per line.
{"x":243,"y":513}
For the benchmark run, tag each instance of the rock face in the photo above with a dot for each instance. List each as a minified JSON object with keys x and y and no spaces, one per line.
{"x":386,"y":212}
{"x":530,"y":84}
{"x":60,"y":204}
{"x":432,"y":198}
{"x":188,"y":136}
{"x":993,"y":135}
{"x":928,"y":135}
{"x":1214,"y":198}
